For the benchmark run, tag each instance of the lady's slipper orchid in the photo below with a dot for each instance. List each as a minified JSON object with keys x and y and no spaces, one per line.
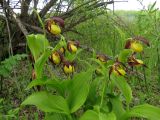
{"x":135,"y":44}
{"x":72,"y":46}
{"x":117,"y":69}
{"x":55,"y":29}
{"x":56,"y":58}
{"x":62,"y":50}
{"x":103,"y":58}
{"x":132,"y":61}
{"x":53,"y":25}
{"x":136,"y":47}
{"x":68,"y":67}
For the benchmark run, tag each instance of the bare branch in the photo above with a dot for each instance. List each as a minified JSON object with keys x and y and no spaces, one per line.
{"x":58,"y":7}
{"x":81,"y":20}
{"x":2,"y":17}
{"x":17,"y":20}
{"x":35,"y":4}
{"x":10,"y":50}
{"x":47,"y":7}
{"x":35,"y":28}
{"x":92,"y":5}
{"x":71,"y":12}
{"x":24,"y":7}
{"x":69,"y":5}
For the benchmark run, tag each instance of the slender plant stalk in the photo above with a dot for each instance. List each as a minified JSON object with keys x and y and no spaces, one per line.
{"x":41,"y":22}
{"x":144,"y":73}
{"x":139,"y":81}
{"x":103,"y":93}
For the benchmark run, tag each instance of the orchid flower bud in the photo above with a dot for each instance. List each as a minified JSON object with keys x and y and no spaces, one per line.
{"x":135,"y":44}
{"x":53,"y":25}
{"x":55,"y":58}
{"x":103,"y":58}
{"x":132,"y":61}
{"x":72,"y":46}
{"x":68,"y":67}
{"x":136,"y":47}
{"x":55,"y":29}
{"x":117,"y":69}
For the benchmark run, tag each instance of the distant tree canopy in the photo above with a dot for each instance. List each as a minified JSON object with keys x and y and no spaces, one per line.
{"x":18,"y":17}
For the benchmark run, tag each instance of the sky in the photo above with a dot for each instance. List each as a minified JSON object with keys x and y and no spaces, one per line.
{"x":133,"y":4}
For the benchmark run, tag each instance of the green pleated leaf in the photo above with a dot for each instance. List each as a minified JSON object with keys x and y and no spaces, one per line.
{"x":93,"y":115}
{"x":47,"y":102}
{"x":117,"y":106}
{"x":36,"y":82}
{"x":143,"y":111}
{"x":122,"y":84}
{"x":109,"y":116}
{"x":39,"y":64}
{"x":37,"y":44}
{"x":78,"y":90}
{"x":55,"y":116}
{"x":90,"y":115}
{"x":54,"y":83}
{"x":92,"y":96}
